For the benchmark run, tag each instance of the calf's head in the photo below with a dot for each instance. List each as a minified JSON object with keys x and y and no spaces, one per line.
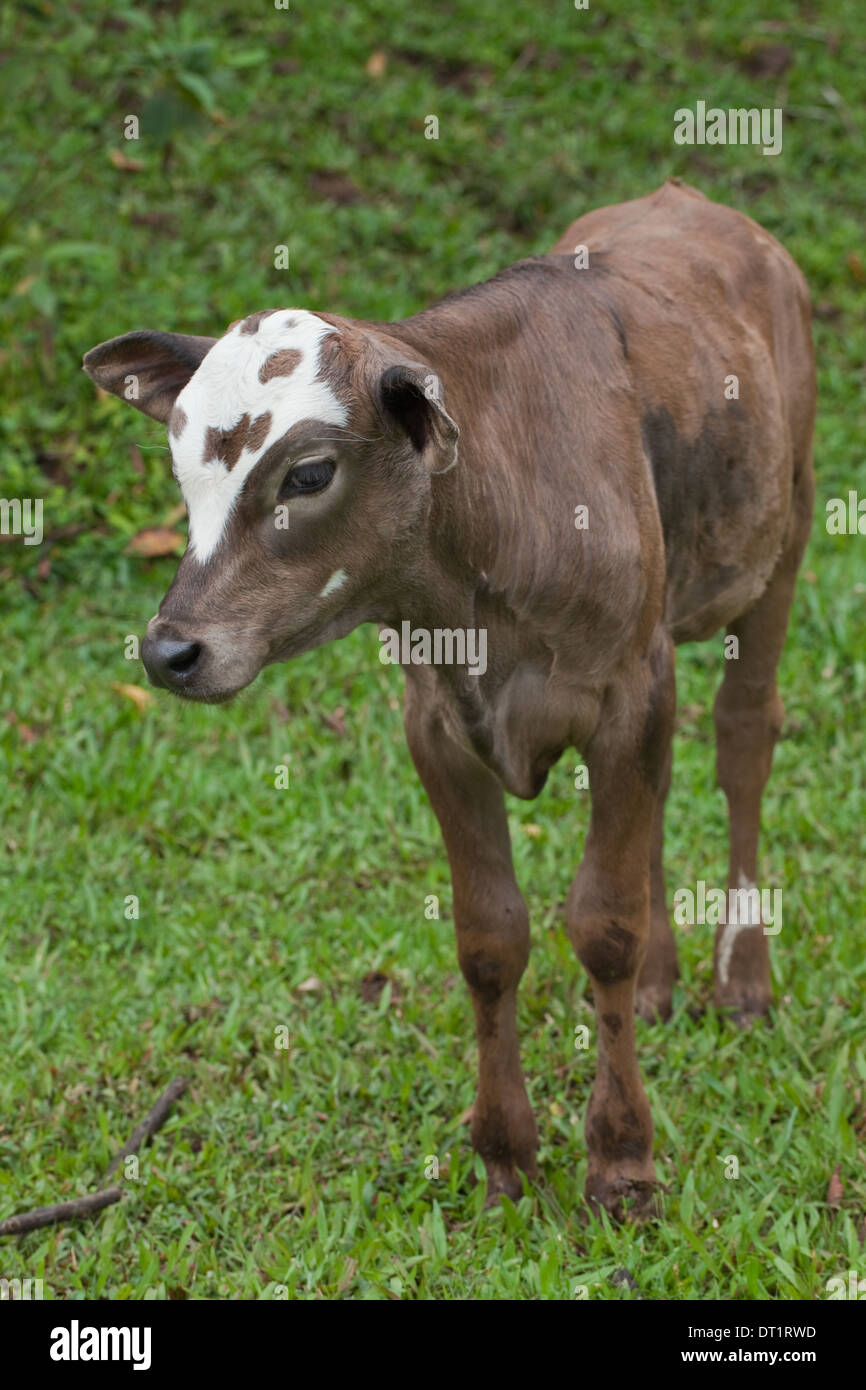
{"x":304,"y":445}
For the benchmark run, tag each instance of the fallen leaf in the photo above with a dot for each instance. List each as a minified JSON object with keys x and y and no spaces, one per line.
{"x":140,"y":698}
{"x":154,"y":541}
{"x":309,"y":986}
{"x":855,"y":265}
{"x":835,"y":1191}
{"x":338,"y":188}
{"x":533,"y":831}
{"x":123,"y":161}
{"x":448,"y":72}
{"x":25,"y":733}
{"x":136,"y":460}
{"x":766,"y":59}
{"x":336,"y":721}
{"x":376,"y":64}
{"x":157,"y":220}
{"x":373,"y":986}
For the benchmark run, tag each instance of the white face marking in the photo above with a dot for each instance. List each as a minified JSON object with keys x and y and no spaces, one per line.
{"x":225,"y":388}
{"x":732,"y":931}
{"x":336,"y":581}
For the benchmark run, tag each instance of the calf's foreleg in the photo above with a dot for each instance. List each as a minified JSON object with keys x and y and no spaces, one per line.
{"x":492,"y":926}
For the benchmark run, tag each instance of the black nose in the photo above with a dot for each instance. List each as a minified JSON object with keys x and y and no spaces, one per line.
{"x":170,"y":663}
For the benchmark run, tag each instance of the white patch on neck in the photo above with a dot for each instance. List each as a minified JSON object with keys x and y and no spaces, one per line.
{"x":732,"y":931}
{"x":225,"y":388}
{"x":336,"y":581}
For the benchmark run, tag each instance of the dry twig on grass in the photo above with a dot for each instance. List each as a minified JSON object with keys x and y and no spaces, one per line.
{"x":105,"y":1196}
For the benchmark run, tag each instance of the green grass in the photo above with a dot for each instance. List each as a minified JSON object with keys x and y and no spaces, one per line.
{"x":304,"y":1169}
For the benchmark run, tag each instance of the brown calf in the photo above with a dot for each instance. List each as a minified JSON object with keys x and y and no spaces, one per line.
{"x":585,"y":462}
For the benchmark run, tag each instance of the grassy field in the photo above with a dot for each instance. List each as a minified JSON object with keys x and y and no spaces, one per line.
{"x":301,"y":1170}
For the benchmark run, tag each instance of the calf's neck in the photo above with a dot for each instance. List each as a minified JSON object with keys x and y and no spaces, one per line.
{"x":596,"y":455}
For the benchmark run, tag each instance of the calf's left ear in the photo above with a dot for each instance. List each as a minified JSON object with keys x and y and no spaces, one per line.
{"x":146,"y":368}
{"x":412,"y":396}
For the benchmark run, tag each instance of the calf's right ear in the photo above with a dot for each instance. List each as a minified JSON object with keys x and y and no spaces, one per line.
{"x":411,"y":394}
{"x":146,"y":368}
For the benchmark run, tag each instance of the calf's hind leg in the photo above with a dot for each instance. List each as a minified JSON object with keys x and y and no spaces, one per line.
{"x":748,"y":716}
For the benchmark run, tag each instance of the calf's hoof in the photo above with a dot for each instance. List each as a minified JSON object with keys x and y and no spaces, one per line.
{"x":507,"y":1144}
{"x":654,"y":1003}
{"x":503,"y":1180}
{"x":745,"y":1009}
{"x":625,"y":1199}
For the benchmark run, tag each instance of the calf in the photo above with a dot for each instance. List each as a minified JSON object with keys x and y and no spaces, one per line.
{"x":595,"y":455}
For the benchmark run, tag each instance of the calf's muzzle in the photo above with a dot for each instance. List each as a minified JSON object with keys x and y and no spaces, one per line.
{"x":171,"y":663}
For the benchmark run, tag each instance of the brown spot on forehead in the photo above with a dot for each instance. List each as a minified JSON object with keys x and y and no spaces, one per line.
{"x":177,"y":421}
{"x":228,"y":445}
{"x":259,"y":430}
{"x":252,"y":321}
{"x":281,"y":363}
{"x":225,"y":445}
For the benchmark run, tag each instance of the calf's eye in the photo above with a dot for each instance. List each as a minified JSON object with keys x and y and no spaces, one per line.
{"x":307,"y":478}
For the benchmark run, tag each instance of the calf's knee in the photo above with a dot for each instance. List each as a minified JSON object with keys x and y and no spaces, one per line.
{"x":493,"y":947}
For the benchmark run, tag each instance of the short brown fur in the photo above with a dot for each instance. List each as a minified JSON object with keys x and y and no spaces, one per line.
{"x":476,"y":429}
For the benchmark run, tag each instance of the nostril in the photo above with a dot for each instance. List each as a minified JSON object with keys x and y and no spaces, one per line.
{"x":184,"y":658}
{"x":172,"y":663}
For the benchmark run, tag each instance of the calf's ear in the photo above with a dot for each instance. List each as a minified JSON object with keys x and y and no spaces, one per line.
{"x":146,"y":368}
{"x":411,"y":396}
